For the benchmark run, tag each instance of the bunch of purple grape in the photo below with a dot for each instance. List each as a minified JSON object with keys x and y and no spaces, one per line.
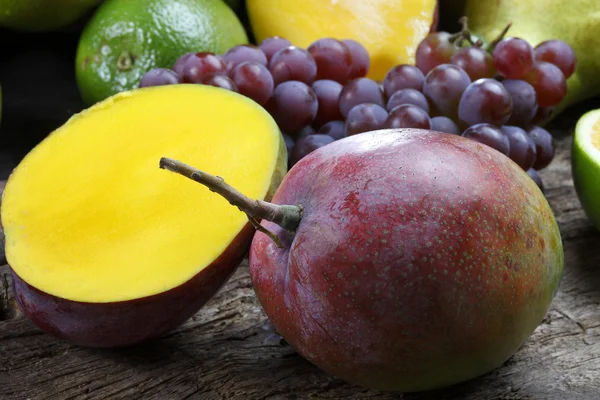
{"x":497,"y":93}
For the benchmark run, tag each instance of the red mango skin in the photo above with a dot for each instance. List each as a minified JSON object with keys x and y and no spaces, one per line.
{"x":125,"y":323}
{"x":422,"y":259}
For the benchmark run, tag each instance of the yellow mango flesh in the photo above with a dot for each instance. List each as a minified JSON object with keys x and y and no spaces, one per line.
{"x":389,"y":30}
{"x":89,"y":215}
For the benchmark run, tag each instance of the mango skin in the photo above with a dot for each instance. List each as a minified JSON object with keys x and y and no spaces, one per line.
{"x":126,"y":323}
{"x":422,"y":260}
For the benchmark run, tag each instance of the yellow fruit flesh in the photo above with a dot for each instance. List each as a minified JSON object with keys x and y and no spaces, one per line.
{"x":596,"y":135}
{"x":89,"y":216}
{"x":389,"y":30}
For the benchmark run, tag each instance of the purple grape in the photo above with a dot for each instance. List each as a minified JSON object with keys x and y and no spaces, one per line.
{"x":359,"y":91}
{"x":533,"y":174}
{"x":242,"y":53}
{"x":335,"y":129}
{"x":476,"y":62}
{"x":272,"y":45}
{"x":443,"y":87}
{"x":522,"y":148}
{"x":524,"y":102}
{"x":558,"y":53}
{"x":293,"y":105}
{"x":408,"y":116}
{"x":365,"y":117}
{"x":328,"y":94}
{"x":436,"y":49}
{"x":293,"y":64}
{"x":544,"y":146}
{"x":485,"y":101}
{"x":201,"y":66}
{"x":408,"y":96}
{"x":307,"y":145}
{"x":542,"y":115}
{"x":159,"y":77}
{"x":178,"y":66}
{"x":549,"y":83}
{"x":444,"y":124}
{"x":513,"y":57}
{"x":360,"y":59}
{"x":333,"y":59}
{"x":403,"y":77}
{"x":221,"y":81}
{"x":253,"y":80}
{"x":489,"y":135}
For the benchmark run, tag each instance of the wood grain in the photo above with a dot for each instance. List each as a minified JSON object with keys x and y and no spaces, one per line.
{"x":229,"y":351}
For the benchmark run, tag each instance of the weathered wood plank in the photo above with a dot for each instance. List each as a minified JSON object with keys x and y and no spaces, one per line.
{"x":229,"y":351}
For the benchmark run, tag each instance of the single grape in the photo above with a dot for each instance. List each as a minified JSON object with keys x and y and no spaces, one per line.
{"x":403,"y":77}
{"x":293,"y":105}
{"x":549,"y":83}
{"x":544,"y":146}
{"x":201,"y":66}
{"x":542,"y":115}
{"x":489,"y":135}
{"x":444,"y":124}
{"x":178,"y":66}
{"x":272,"y":45}
{"x":524,"y":102}
{"x":513,"y":57}
{"x":293,"y":64}
{"x":522,"y":148}
{"x":307,"y":145}
{"x":365,"y":117}
{"x":328,"y":94}
{"x":360,"y":59}
{"x":443,"y":88}
{"x":335,"y":129}
{"x":289,"y":142}
{"x":159,"y":77}
{"x":244,"y":52}
{"x":408,"y":96}
{"x":476,"y":62}
{"x":558,"y":53}
{"x":408,"y":116}
{"x":485,"y":101}
{"x":533,"y":174}
{"x":253,"y":80}
{"x":221,"y":81}
{"x":434,"y":50}
{"x":333,"y":59}
{"x":358,"y":91}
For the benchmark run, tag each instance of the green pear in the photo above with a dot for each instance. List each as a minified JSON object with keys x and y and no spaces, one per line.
{"x":576,"y":22}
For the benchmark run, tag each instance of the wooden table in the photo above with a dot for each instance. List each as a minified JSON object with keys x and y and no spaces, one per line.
{"x":228,"y":350}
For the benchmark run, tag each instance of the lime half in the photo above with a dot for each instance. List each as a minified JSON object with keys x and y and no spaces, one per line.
{"x":586,"y":164}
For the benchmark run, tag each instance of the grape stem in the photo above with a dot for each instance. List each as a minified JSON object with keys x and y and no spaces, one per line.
{"x":494,"y":42}
{"x":286,"y":216}
{"x":464,"y":34}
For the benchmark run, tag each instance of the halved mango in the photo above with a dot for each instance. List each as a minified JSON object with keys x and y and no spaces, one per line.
{"x":93,"y":226}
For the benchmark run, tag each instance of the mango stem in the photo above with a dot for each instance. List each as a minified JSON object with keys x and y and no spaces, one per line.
{"x":286,"y":216}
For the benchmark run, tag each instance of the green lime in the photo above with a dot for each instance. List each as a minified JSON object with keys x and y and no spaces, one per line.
{"x":124,"y":39}
{"x":586,"y":164}
{"x":42,"y":15}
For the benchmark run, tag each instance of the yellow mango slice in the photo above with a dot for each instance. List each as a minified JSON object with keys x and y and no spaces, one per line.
{"x":89,"y":216}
